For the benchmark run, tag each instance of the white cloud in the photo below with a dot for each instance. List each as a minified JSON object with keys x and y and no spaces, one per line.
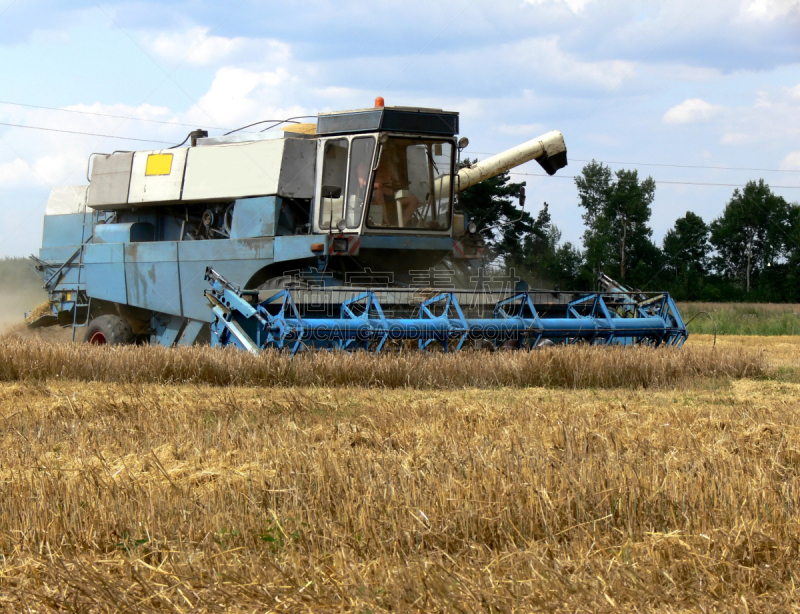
{"x":61,"y":157}
{"x":54,"y":168}
{"x":14,"y":173}
{"x":771,"y":9}
{"x":576,"y":6}
{"x":684,"y":72}
{"x":238,"y":95}
{"x":692,"y":111}
{"x":791,"y":162}
{"x":545,"y":58}
{"x":521,"y":129}
{"x":773,"y":118}
{"x":196,"y":47}
{"x":738,"y":138}
{"x":342,"y":93}
{"x":49,"y":37}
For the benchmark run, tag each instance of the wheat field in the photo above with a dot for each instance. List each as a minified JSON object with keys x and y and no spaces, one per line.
{"x":572,"y":479}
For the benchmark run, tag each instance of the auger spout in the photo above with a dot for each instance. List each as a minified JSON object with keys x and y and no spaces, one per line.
{"x":549,"y":150}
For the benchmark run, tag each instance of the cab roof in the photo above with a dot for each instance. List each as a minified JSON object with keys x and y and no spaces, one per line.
{"x":394,"y":119}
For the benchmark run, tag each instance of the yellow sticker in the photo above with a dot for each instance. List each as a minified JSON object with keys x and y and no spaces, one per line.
{"x":158,"y":164}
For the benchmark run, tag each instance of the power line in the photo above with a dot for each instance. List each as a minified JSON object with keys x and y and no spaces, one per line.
{"x":142,"y":119}
{"x":716,"y":168}
{"x":108,"y":136}
{"x":483,"y":153}
{"x":700,"y":183}
{"x":697,"y":183}
{"x":138,"y":119}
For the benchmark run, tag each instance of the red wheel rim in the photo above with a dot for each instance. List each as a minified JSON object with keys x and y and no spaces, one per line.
{"x":97,"y":338}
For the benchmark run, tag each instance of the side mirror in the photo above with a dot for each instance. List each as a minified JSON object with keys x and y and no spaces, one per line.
{"x":463,"y":143}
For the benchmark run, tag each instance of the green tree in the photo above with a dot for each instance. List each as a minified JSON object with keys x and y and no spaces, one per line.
{"x":616,"y":213}
{"x":686,"y":250}
{"x":566,"y":266}
{"x":793,"y":254}
{"x":594,"y":191}
{"x":753,"y":233}
{"x":546,"y":258}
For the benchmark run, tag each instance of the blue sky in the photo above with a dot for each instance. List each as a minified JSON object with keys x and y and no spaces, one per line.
{"x":686,"y":82}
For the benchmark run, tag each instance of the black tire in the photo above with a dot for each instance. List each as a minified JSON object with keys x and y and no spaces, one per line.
{"x":109,"y":330}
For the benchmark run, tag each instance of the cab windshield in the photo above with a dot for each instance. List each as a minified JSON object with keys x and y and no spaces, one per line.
{"x":411,"y":185}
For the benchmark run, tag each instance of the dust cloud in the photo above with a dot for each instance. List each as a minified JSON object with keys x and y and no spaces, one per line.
{"x":22,"y":292}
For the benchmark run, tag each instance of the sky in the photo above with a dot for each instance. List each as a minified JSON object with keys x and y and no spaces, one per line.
{"x":701,"y":95}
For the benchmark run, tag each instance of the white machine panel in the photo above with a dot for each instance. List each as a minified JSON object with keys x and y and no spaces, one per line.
{"x":66,"y":200}
{"x":111,"y":180}
{"x":157,"y":176}
{"x":283,"y":167}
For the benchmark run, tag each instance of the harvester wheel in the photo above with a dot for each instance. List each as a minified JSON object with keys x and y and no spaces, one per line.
{"x":109,"y":330}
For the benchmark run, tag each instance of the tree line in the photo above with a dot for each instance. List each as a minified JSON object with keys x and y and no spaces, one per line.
{"x":750,"y":252}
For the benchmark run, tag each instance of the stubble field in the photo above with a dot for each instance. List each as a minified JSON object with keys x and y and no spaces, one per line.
{"x":569,"y":479}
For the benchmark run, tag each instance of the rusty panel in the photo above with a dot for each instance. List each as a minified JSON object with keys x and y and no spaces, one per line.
{"x":237,"y":260}
{"x":151,"y":276}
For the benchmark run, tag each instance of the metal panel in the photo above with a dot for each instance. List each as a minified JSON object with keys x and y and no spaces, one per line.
{"x":296,"y":247}
{"x":238,"y":260}
{"x":228,"y":172}
{"x":192,"y":332}
{"x":157,"y":182}
{"x":111,"y":177}
{"x":102,"y":253}
{"x":209,"y":252}
{"x":297,"y":169}
{"x":106,"y":281}
{"x":57,"y":254}
{"x":166,"y":329}
{"x":66,"y":200}
{"x":161,"y":251}
{"x":130,"y":232}
{"x":63,"y":230}
{"x":254,"y":217}
{"x":151,"y":275}
{"x":233,"y":171}
{"x":409,"y":241}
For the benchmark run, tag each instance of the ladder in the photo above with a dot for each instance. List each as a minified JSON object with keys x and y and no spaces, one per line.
{"x":80,"y":287}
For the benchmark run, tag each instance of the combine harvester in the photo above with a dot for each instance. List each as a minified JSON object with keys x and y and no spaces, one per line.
{"x":312,"y":236}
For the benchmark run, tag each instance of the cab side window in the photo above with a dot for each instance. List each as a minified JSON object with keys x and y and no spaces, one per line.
{"x":361,"y":152}
{"x":334,"y":173}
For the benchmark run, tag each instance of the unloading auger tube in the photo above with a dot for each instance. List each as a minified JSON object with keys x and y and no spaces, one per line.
{"x":549,"y":150}
{"x":513,"y":322}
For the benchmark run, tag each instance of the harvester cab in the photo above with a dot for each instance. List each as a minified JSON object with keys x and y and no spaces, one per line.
{"x":304,"y":229}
